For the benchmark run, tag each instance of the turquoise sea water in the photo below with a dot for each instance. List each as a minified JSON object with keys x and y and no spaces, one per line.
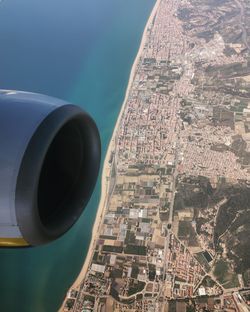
{"x":81,"y":51}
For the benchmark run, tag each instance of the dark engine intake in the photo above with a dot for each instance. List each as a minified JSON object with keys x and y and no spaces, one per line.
{"x":49,"y":163}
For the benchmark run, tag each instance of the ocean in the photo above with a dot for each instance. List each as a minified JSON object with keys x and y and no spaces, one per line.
{"x":81,"y":51}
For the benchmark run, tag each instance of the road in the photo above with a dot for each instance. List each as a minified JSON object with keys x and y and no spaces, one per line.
{"x":242,"y":24}
{"x":170,"y":220}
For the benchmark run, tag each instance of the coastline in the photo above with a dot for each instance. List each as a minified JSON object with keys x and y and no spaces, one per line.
{"x":106,"y":167}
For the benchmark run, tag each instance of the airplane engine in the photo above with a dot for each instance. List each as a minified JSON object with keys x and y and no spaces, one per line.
{"x":49,"y":163}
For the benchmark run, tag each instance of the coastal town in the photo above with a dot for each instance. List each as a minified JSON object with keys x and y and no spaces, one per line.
{"x":172,"y":227}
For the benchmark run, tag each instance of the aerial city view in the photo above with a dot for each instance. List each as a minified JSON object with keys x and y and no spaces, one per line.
{"x":173,"y":224}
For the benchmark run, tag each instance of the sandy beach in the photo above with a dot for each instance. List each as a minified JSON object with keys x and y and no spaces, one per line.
{"x":106,"y":166}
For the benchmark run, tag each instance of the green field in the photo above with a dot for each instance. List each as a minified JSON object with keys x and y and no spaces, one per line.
{"x":225,"y":274}
{"x":203,"y":261}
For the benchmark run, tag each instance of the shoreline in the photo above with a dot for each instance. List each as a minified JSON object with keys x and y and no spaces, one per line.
{"x":106,"y":167}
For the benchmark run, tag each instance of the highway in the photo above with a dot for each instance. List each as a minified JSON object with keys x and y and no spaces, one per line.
{"x":242,"y":24}
{"x":169,"y":224}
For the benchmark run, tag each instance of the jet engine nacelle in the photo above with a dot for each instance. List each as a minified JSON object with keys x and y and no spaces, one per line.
{"x":49,"y":163}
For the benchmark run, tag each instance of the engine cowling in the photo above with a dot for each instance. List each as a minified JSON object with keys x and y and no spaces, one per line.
{"x":49,"y":162}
